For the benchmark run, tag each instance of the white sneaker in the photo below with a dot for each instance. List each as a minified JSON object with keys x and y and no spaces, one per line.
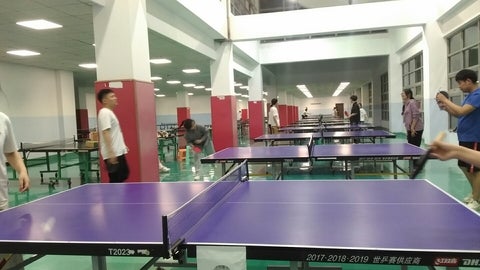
{"x":164,"y":169}
{"x":474,"y":205}
{"x":468,"y":199}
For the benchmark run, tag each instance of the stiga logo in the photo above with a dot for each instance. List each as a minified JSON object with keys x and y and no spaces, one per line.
{"x":470,"y":262}
{"x":446,"y":262}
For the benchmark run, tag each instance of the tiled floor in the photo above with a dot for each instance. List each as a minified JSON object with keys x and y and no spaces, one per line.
{"x":446,"y":175}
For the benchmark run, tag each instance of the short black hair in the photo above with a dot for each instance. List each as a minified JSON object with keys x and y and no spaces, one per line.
{"x":466,"y":74}
{"x":353,"y":98}
{"x":274,"y":101}
{"x":188,"y":123}
{"x":102,"y":93}
{"x":408,"y":93}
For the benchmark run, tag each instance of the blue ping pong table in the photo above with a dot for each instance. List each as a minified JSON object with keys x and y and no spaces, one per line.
{"x":327,"y":136}
{"x":378,"y":222}
{"x":381,"y":152}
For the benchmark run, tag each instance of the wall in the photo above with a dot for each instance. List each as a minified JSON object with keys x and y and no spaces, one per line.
{"x":40,"y":102}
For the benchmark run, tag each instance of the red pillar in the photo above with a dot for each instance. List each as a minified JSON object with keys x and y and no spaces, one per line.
{"x":224,"y":122}
{"x":136,"y":114}
{"x":182,"y":114}
{"x":283,"y":113}
{"x":256,"y":119}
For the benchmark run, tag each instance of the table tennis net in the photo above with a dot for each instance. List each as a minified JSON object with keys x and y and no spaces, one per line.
{"x":179,"y":222}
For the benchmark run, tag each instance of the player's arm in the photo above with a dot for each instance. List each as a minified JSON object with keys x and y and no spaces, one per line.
{"x":16,"y":161}
{"x":107,"y":138}
{"x":445,"y":151}
{"x":452,"y":108}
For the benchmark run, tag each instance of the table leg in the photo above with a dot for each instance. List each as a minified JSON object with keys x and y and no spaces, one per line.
{"x":99,"y":263}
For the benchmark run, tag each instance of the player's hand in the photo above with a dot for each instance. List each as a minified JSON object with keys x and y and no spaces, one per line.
{"x":23,"y":182}
{"x":441,"y":98}
{"x":442,"y":150}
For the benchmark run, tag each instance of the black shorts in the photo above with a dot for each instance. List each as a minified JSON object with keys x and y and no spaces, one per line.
{"x":468,"y":166}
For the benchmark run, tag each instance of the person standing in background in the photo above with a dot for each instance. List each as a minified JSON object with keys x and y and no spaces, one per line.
{"x":9,"y":153}
{"x":273,"y":117}
{"x":112,"y":144}
{"x":198,"y":137}
{"x":355,"y":111}
{"x":412,"y":118}
{"x":363,"y":114}
{"x":468,"y":129}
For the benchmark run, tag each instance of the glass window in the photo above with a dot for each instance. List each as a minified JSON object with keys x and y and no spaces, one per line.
{"x":455,"y":62}
{"x":471,"y":35}
{"x":471,"y":57}
{"x":455,"y":43}
{"x":418,"y":76}
{"x":462,"y":53}
{"x":418,"y":62}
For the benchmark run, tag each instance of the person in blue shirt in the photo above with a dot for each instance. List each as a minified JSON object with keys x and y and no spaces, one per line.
{"x":468,"y":129}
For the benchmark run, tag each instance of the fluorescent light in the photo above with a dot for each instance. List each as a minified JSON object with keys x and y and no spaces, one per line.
{"x":340,"y":88}
{"x":208,"y":89}
{"x":160,"y":95}
{"x":190,"y":94}
{"x":160,"y":61}
{"x":303,"y":88}
{"x":189,"y":85}
{"x":23,"y":52}
{"x":199,"y":87}
{"x":244,"y":87}
{"x":173,"y":82}
{"x":237,"y":84}
{"x":155,"y":78}
{"x":39,"y":24}
{"x":191,"y":70}
{"x":88,"y":65}
{"x":156,"y":89}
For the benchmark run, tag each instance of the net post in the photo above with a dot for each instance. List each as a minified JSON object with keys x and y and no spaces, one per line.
{"x":166,"y":243}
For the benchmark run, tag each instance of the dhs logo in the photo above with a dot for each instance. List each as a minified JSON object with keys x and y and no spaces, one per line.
{"x":446,"y":262}
{"x":470,"y":262}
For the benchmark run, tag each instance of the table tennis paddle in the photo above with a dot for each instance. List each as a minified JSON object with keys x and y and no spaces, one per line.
{"x":423,"y":159}
{"x":197,"y":149}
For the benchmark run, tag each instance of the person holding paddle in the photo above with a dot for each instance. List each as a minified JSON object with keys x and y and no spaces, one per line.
{"x":468,"y":131}
{"x":198,"y":137}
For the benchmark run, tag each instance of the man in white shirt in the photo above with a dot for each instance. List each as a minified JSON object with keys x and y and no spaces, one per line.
{"x":8,"y":148}
{"x":273,"y":117}
{"x":112,"y":144}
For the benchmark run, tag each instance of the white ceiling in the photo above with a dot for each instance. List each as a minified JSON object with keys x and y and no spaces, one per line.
{"x":65,"y":48}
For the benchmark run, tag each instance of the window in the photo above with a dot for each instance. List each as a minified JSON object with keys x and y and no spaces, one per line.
{"x":384,"y":97}
{"x":413,"y":76}
{"x":463,"y":47}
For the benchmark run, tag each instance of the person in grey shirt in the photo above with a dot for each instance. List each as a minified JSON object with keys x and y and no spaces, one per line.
{"x":198,"y":137}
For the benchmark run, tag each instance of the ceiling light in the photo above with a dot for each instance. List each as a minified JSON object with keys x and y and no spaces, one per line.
{"x":244,"y":87}
{"x":39,"y":24}
{"x":155,"y":78}
{"x":340,"y":88}
{"x":191,"y":70}
{"x":190,"y":94}
{"x":208,"y":89}
{"x":303,"y":88}
{"x":23,"y":52}
{"x":160,"y":61}
{"x":156,"y":89}
{"x":237,"y":84}
{"x":173,"y":82}
{"x":88,"y":65}
{"x":189,"y":85}
{"x":160,"y":95}
{"x":199,"y":87}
